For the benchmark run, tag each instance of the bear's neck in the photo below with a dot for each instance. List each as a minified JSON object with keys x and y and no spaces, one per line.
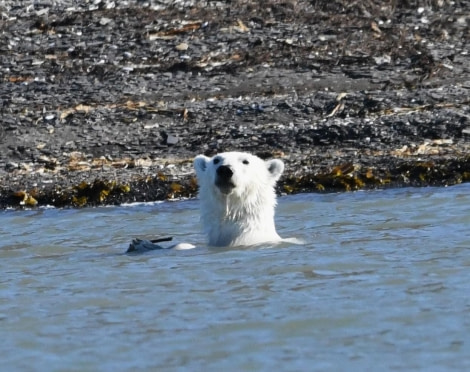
{"x":232,"y":220}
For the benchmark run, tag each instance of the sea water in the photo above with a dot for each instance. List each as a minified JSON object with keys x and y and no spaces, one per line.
{"x":381,"y":283}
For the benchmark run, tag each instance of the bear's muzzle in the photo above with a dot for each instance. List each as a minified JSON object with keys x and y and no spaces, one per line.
{"x":223,"y":179}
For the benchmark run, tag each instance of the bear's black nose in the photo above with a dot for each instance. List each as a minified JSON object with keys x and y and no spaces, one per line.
{"x":224,"y":172}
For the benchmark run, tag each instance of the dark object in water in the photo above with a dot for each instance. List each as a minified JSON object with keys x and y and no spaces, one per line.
{"x":141,"y":246}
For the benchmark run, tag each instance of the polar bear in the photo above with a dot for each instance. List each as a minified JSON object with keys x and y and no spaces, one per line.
{"x":237,"y":202}
{"x":237,"y":197}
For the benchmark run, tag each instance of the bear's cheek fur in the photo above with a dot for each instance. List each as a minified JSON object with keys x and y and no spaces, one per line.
{"x":248,"y":182}
{"x":211,"y":176}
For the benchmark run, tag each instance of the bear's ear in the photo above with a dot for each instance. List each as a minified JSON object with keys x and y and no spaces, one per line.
{"x":200,"y":163}
{"x":275,"y":168}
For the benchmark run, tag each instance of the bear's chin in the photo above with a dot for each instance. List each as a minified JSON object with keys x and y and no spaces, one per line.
{"x":225,"y":187}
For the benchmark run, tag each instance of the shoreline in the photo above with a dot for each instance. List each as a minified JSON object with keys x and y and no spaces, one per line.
{"x":107,"y":104}
{"x":342,"y":178}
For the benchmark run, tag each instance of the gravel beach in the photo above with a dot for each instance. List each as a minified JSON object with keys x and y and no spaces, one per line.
{"x":108,"y":102}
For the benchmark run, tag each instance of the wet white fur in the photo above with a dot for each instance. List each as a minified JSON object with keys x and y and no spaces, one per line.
{"x":245,"y":216}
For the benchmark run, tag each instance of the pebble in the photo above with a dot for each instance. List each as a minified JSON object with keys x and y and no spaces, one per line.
{"x":10,"y":166}
{"x":182,"y":47}
{"x":172,"y":140}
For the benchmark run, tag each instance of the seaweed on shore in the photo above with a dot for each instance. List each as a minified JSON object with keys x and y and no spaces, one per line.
{"x":410,"y":173}
{"x":341,"y":178}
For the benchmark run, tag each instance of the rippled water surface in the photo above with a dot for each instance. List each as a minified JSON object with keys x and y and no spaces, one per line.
{"x":382,"y":283}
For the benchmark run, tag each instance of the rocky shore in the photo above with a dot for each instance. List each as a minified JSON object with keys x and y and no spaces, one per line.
{"x":105,"y":102}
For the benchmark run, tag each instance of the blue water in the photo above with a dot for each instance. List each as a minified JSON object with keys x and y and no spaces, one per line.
{"x":382,"y":283}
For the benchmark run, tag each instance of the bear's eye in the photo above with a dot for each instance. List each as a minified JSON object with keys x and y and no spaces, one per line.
{"x":216,"y":161}
{"x":246,"y":162}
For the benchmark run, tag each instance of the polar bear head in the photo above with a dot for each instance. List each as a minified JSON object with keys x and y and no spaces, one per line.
{"x":237,"y":172}
{"x":237,"y":196}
